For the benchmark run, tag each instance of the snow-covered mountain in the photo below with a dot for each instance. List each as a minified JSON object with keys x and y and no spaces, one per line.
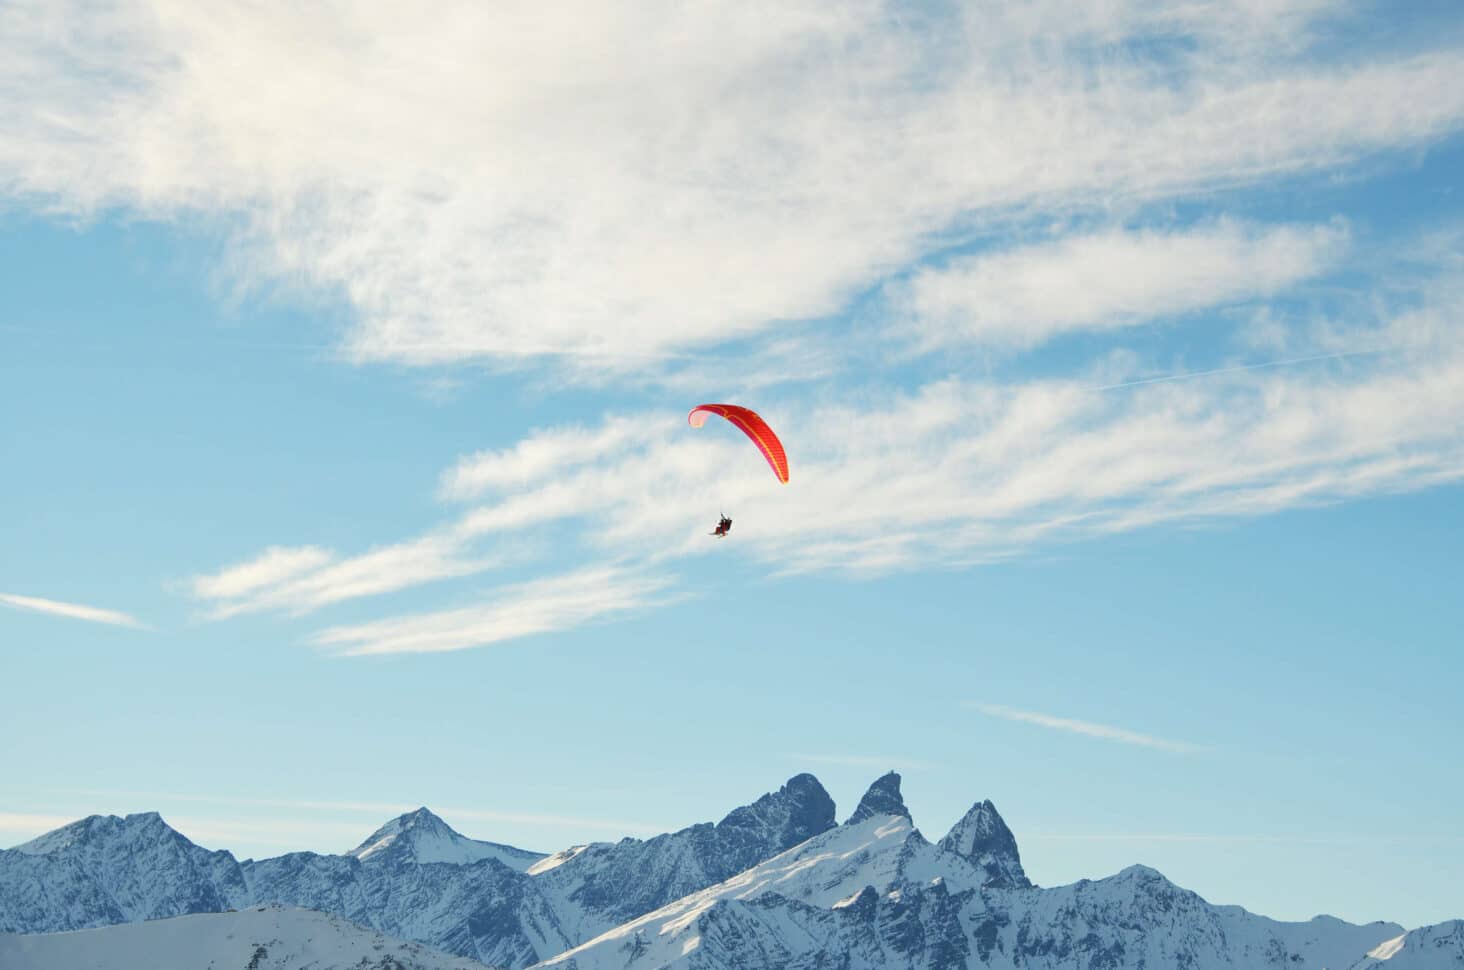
{"x":774,"y":884}
{"x":414,"y":878}
{"x":875,"y":895}
{"x":105,"y":869}
{"x":260,"y":938}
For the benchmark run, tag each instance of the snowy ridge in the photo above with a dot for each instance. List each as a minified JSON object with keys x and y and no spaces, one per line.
{"x":1430,"y":948}
{"x":556,"y":860}
{"x":262,"y":938}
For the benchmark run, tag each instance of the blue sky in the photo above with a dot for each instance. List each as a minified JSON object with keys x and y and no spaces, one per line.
{"x":1118,"y":358}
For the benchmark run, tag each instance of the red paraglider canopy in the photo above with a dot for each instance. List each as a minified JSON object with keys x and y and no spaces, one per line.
{"x":752,"y":425}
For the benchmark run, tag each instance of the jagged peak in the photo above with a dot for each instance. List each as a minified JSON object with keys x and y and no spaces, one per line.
{"x":801,"y":803}
{"x":795,"y":813}
{"x":882,"y":798}
{"x":982,"y":838}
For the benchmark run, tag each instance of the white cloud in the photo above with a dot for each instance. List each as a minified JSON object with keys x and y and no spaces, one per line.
{"x":611,"y":184}
{"x":1021,"y":297}
{"x":304,"y":580}
{"x":541,"y":455}
{"x":541,"y":606}
{"x":74,"y":611}
{"x":1088,"y":728}
{"x":614,"y":187}
{"x":958,"y":471}
{"x":271,"y":567}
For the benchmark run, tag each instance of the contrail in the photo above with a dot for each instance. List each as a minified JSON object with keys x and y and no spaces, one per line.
{"x":1188,"y":375}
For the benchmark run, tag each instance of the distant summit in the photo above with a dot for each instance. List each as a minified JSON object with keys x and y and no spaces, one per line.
{"x":422,"y":837}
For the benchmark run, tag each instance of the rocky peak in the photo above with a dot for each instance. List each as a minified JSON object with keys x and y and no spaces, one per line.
{"x":982,"y":838}
{"x":794,"y":813}
{"x":882,"y":798}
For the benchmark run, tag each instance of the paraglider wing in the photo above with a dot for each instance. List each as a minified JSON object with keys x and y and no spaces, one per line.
{"x":752,"y":425}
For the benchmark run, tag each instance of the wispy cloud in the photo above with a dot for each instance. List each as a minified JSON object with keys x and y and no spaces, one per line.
{"x":540,"y":455}
{"x":303,"y":580}
{"x":1105,"y":281}
{"x":687,"y":220}
{"x":1088,"y":728}
{"x":746,"y":129}
{"x":986,"y":470}
{"x":270,"y":568}
{"x":74,"y":611}
{"x":542,"y":606}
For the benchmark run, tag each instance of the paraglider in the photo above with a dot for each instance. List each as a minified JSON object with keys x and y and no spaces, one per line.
{"x":750,"y":423}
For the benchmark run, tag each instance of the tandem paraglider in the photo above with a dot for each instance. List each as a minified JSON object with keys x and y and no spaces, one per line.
{"x":750,"y":423}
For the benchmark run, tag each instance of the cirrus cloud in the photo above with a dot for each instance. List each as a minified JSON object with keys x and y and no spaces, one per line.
{"x":610,"y":185}
{"x":73,"y":611}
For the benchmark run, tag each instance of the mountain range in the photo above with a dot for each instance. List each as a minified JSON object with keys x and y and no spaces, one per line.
{"x":777,"y":883}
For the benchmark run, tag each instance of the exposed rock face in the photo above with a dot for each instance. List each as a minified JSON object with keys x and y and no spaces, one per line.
{"x":982,"y":838}
{"x":882,"y":798}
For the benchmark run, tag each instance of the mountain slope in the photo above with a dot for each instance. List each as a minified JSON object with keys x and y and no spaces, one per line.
{"x":261,"y":938}
{"x":1437,"y":947}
